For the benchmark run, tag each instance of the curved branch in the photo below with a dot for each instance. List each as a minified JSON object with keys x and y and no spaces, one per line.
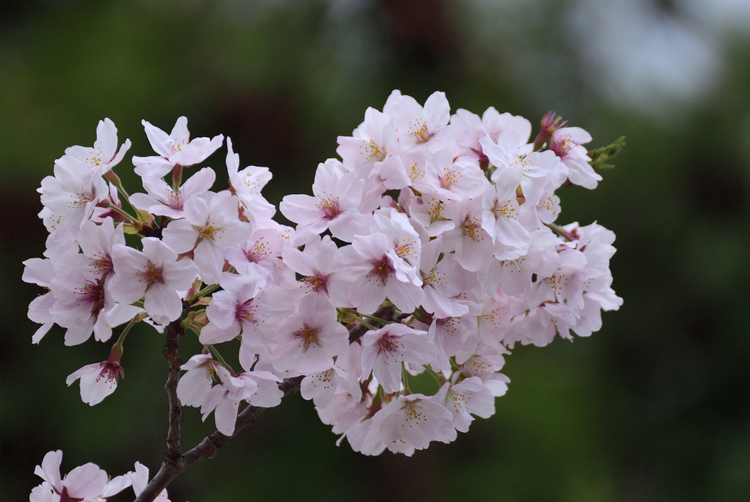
{"x":175,"y":462}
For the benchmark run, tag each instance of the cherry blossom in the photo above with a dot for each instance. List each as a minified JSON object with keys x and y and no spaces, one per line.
{"x":335,"y":205}
{"x":104,"y":155}
{"x":310,"y":339}
{"x":384,"y":350}
{"x":165,"y":200}
{"x":247,"y":184}
{"x":209,"y":228}
{"x":154,"y":274}
{"x":411,"y":422}
{"x":574,"y":160}
{"x":430,"y":248}
{"x":84,"y":483}
{"x":174,"y":149}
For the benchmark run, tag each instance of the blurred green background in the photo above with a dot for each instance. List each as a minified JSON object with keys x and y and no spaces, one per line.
{"x":656,"y":406}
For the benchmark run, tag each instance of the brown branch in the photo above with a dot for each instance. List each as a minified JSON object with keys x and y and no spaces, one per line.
{"x":210,"y":445}
{"x":170,"y":467}
{"x":175,"y":462}
{"x":207,"y":448}
{"x":174,"y":332}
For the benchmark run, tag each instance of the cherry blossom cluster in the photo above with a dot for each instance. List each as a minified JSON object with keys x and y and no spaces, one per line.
{"x":87,"y":483}
{"x":429,"y":249}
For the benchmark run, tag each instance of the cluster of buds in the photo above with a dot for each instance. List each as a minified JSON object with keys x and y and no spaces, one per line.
{"x":430,"y":247}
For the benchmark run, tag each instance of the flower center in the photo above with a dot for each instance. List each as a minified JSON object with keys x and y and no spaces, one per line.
{"x":330,"y":207}
{"x":388,"y":344}
{"x":374,"y":152}
{"x":153,"y":274}
{"x":317,"y":283}
{"x":207,"y":232}
{"x":507,"y":210}
{"x":562,"y":147}
{"x":103,"y":264}
{"x":382,"y":269}
{"x":64,"y":497}
{"x":245,"y":312}
{"x":406,"y":249}
{"x":92,"y":294}
{"x":449,"y":178}
{"x":418,"y":129}
{"x":111,"y":371}
{"x":471,"y":227}
{"x":307,"y":335}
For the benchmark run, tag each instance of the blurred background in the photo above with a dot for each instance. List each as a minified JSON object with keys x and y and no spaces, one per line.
{"x":656,"y":406}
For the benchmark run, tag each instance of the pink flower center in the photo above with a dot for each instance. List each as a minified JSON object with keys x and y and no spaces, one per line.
{"x":418,"y":129}
{"x":562,"y":147}
{"x":111,"y":371}
{"x":382,"y":269}
{"x":330,"y":208}
{"x":103,"y":263}
{"x":92,"y":294}
{"x":207,"y":232}
{"x":387,"y":344}
{"x":259,"y":250}
{"x":507,"y":209}
{"x":317,"y":283}
{"x":64,"y":497}
{"x":471,"y":227}
{"x":374,"y":152}
{"x":449,"y":178}
{"x":307,"y":335}
{"x":245,"y":312}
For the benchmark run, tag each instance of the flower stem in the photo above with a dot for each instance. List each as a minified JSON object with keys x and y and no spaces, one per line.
{"x":203,"y":292}
{"x":119,"y":210}
{"x":176,"y":177}
{"x":127,"y":329}
{"x":361,"y":320}
{"x":439,"y":377}
{"x":376,"y":319}
{"x":218,"y":356}
{"x":561,"y":232}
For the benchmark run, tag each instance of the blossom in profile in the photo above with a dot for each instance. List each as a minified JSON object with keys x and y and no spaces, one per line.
{"x":104,"y":155}
{"x":574,"y":160}
{"x":139,"y":479}
{"x":164,"y":200}
{"x":259,"y":388}
{"x":98,"y":380}
{"x":247,"y":184}
{"x":174,"y":149}
{"x":83,"y":484}
{"x":69,"y":199}
{"x":197,"y":381}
